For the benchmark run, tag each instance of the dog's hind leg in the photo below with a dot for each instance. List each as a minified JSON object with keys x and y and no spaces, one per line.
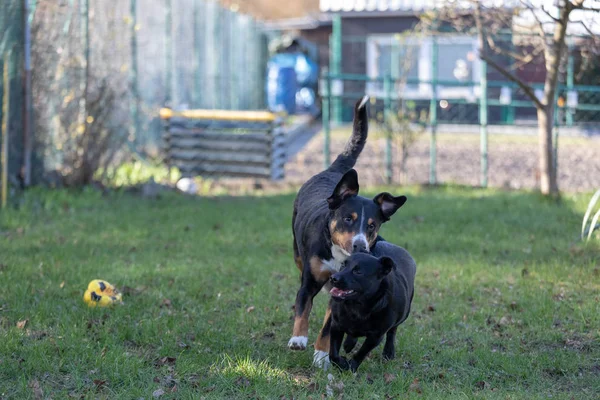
{"x":349,"y":343}
{"x":297,"y":258}
{"x":389,"y":349}
{"x":304,"y":301}
{"x":321,"y":355}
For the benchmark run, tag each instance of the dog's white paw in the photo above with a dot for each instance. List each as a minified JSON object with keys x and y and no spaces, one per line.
{"x":298,"y":342}
{"x":321,"y":360}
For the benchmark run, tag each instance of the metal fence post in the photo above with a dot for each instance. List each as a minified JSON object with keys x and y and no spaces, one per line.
{"x":570,"y":82}
{"x":336,"y":63}
{"x":28,"y":109}
{"x":169,"y":54}
{"x":135,"y":104}
{"x":5,"y":128}
{"x":326,"y":123}
{"x":433,"y":113}
{"x":483,"y":122}
{"x":195,"y":55}
{"x":84,"y":10}
{"x":555,"y":135}
{"x":387,"y":108}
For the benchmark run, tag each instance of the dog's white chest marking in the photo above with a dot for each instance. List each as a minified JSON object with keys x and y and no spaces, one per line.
{"x":335,"y":264}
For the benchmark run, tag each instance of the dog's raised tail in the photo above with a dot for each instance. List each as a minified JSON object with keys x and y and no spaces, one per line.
{"x":360,"y":130}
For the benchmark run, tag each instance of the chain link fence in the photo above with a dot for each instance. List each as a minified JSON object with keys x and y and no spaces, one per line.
{"x":103,"y":69}
{"x":11,"y":93}
{"x":420,"y":65}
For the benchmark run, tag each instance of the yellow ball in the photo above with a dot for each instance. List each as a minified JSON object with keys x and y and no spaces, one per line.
{"x":100,"y":293}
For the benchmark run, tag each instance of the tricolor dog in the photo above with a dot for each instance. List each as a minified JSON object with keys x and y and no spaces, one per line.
{"x":331,"y":222}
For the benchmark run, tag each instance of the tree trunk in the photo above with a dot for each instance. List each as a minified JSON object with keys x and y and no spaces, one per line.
{"x":548,"y":185}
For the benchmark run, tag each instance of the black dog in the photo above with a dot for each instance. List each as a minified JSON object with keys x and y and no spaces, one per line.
{"x":330,"y":222}
{"x":370,"y":297}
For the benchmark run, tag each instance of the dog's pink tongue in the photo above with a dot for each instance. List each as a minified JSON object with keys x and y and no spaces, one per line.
{"x":336,"y":292}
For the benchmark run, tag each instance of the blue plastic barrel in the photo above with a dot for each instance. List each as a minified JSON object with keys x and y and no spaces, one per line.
{"x":281,"y":88}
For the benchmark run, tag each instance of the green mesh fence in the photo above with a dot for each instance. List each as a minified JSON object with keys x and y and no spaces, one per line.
{"x":131,"y":57}
{"x":11,"y":64}
{"x":406,"y":61}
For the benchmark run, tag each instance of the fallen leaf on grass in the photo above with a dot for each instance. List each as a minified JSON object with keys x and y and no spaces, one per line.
{"x":99,"y":383}
{"x":36,"y":335}
{"x":242,"y":381}
{"x":481,"y":385}
{"x":312,"y":386}
{"x":210,"y":388}
{"x":250,"y":309}
{"x":369,"y":379}
{"x":415,"y":386}
{"x":21,"y":324}
{"x":157,"y":393}
{"x":62,"y":284}
{"x":431,"y":308}
{"x":37,"y":390}
{"x":168,"y":381}
{"x":333,"y":386}
{"x":389,"y":378}
{"x":166,"y":303}
{"x":165,"y":361}
{"x":129,"y":291}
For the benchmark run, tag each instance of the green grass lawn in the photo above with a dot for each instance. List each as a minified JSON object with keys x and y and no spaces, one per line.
{"x":507,"y":301}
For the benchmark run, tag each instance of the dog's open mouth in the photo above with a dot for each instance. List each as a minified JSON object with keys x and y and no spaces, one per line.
{"x":337,"y":292}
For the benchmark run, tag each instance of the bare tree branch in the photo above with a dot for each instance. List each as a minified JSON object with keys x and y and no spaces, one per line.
{"x":587,"y":29}
{"x":578,"y":5}
{"x":481,"y":33}
{"x":549,"y":14}
{"x":511,"y":77}
{"x":539,"y":24}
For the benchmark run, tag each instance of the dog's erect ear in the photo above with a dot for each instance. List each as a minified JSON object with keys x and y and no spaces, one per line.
{"x":346,"y":187}
{"x":388,"y":204}
{"x":387,"y":265}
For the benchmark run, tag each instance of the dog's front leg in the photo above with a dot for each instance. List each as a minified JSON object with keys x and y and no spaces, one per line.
{"x":336,"y":342}
{"x":370,"y":343}
{"x":304,"y":301}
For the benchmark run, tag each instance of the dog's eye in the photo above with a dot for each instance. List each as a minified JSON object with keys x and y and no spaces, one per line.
{"x":371,"y":227}
{"x":356,"y":271}
{"x":348,"y":219}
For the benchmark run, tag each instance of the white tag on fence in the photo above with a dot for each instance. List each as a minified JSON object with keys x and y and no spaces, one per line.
{"x":337,"y":87}
{"x":572,"y":99}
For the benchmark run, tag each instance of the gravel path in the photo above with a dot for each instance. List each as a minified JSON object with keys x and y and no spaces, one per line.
{"x":512,"y":162}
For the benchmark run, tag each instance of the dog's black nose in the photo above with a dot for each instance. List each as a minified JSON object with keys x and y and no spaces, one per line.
{"x":333,"y":279}
{"x":359,"y":247}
